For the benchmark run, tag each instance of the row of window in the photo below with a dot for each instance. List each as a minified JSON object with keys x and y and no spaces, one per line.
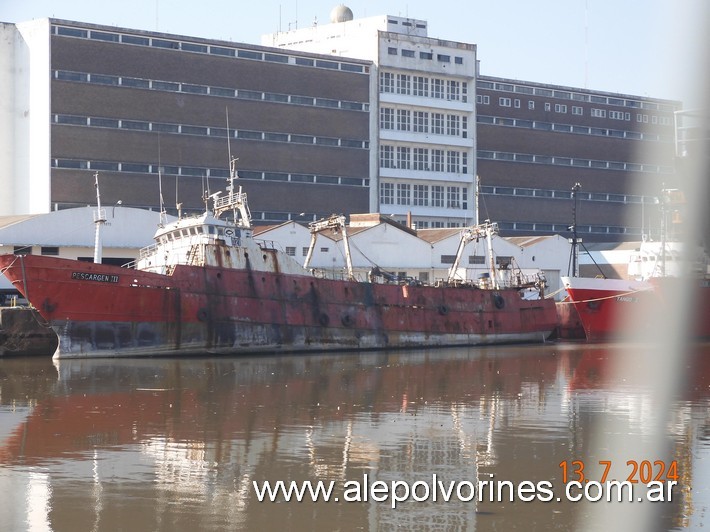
{"x":575,"y":96}
{"x":451,"y":197}
{"x":570,"y":128}
{"x":408,"y":23}
{"x":425,"y":86}
{"x":423,"y":159}
{"x":484,"y":99}
{"x":501,"y":260}
{"x":435,"y":224}
{"x":205,"y":131}
{"x":565,"y":194}
{"x":456,"y":197}
{"x":574,"y":162}
{"x":223,"y":51}
{"x":195,"y":171}
{"x":454,"y":125}
{"x":528,"y":227}
{"x":207,"y":90}
{"x":442,"y":58}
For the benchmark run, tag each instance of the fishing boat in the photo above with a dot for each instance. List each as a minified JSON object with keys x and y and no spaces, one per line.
{"x":613,"y":309}
{"x":607,"y":307}
{"x":207,"y":285}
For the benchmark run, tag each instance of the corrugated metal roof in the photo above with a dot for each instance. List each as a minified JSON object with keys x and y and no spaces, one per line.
{"x":436,"y":235}
{"x":7,"y":221}
{"x":527,"y":241}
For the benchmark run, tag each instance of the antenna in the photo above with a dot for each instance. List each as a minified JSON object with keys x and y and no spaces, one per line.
{"x":178,"y":205}
{"x":229,"y":140}
{"x":163,"y":214}
{"x":206,"y":192}
{"x":476,"y":194}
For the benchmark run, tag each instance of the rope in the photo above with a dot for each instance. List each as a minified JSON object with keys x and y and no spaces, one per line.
{"x":553,"y":294}
{"x":603,"y":298}
{"x":3,"y":270}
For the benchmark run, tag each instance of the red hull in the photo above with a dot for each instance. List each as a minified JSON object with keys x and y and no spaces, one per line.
{"x":569,"y":326}
{"x":101,"y":310}
{"x":608,"y":307}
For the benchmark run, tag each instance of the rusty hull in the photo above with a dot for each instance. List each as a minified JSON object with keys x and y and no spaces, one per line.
{"x":113,"y":311}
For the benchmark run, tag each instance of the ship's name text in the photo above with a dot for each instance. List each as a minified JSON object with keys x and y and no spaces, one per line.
{"x":98,"y":277}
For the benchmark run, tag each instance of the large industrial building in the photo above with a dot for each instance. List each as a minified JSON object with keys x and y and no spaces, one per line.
{"x":425,"y":111}
{"x":537,"y":141}
{"x":359,"y":115}
{"x":80,"y":99}
{"x":531,"y":144}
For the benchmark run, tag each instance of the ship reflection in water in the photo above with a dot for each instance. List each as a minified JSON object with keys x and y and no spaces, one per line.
{"x":176,"y":444}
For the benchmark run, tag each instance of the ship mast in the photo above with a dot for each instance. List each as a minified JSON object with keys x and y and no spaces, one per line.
{"x":99,"y":220}
{"x":574,"y":241}
{"x":233,"y":201}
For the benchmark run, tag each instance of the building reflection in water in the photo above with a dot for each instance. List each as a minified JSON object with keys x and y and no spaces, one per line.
{"x":177,"y":443}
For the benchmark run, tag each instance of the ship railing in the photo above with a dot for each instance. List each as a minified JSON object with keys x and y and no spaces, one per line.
{"x":337,"y":275}
{"x":232,"y":199}
{"x":518,"y":282}
{"x":268,"y":244}
{"x":147,"y":251}
{"x":152,"y":250}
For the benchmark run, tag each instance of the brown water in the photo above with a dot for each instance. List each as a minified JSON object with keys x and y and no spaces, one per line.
{"x":177,"y":444}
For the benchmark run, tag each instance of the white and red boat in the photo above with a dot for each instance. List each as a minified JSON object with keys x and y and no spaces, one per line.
{"x":607,"y":307}
{"x":207,"y":286}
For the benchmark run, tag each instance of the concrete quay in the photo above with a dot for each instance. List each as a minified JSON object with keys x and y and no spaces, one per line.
{"x":23,"y":333}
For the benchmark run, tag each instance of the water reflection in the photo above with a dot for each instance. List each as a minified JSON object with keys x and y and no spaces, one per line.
{"x":176,"y":443}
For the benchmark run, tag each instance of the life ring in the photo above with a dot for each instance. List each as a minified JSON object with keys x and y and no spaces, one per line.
{"x":203,"y":314}
{"x":498,"y":301}
{"x":323,"y":319}
{"x":346,"y":320}
{"x":443,"y":310}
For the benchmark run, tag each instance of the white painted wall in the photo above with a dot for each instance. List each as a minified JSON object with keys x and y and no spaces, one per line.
{"x":8,"y":79}
{"x":396,"y":250}
{"x":384,"y":244}
{"x":31,"y":119}
{"x":126,"y":228}
{"x":126,"y":231}
{"x":355,"y":38}
{"x":25,"y":117}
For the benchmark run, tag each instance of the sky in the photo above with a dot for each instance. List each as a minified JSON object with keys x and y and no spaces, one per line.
{"x":636,"y":47}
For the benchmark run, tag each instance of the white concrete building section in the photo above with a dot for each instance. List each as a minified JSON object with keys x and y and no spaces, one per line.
{"x":70,"y":234}
{"x":25,"y":114}
{"x":425,"y":255}
{"x":423,"y":135}
{"x":376,"y":241}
